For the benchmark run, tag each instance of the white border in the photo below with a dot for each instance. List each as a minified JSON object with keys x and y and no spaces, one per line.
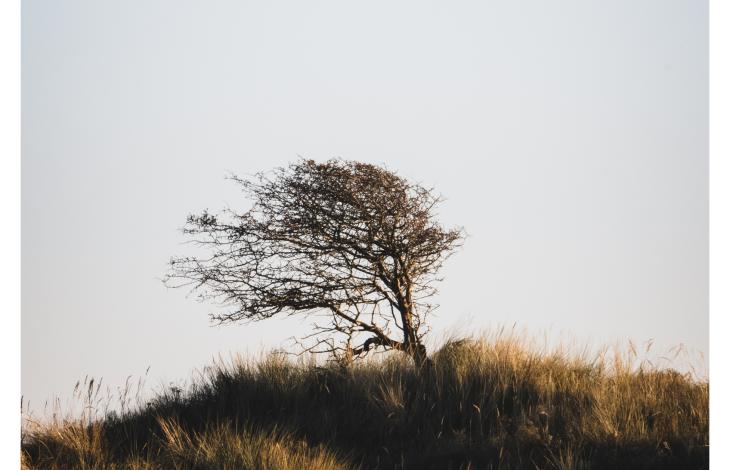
{"x":10,"y":231}
{"x":719,"y":232}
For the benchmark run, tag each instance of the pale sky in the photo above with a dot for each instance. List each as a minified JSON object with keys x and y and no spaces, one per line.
{"x":570,"y":139}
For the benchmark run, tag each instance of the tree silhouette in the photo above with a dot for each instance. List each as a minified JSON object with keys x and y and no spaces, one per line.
{"x":352,"y":244}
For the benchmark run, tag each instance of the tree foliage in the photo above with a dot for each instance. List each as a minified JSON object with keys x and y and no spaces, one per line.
{"x":352,"y":244}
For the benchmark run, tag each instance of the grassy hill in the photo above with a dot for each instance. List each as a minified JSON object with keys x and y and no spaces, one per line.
{"x":484,"y":404}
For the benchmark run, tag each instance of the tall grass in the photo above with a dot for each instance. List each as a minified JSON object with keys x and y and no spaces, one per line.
{"x":483,"y":403}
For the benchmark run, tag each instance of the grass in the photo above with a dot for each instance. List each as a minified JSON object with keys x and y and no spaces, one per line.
{"x":490,"y":403}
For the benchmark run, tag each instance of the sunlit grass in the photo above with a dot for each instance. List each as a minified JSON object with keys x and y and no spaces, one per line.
{"x":492,"y":402}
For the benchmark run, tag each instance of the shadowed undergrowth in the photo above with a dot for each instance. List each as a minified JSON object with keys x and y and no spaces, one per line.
{"x":482,"y":404}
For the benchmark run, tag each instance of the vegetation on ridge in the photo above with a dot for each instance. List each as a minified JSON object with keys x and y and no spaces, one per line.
{"x":481,"y":404}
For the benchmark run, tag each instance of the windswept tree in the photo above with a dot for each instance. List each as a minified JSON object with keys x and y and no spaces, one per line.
{"x":352,"y":244}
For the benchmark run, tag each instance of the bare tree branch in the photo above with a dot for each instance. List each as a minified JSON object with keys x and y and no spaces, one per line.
{"x":351,"y":240}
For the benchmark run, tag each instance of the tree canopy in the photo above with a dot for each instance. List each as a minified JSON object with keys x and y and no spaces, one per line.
{"x":353,"y":245}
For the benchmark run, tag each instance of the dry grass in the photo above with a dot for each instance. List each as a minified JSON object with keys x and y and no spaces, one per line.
{"x":488,"y":403}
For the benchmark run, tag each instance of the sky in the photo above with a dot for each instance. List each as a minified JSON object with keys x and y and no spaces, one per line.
{"x":569,"y":138}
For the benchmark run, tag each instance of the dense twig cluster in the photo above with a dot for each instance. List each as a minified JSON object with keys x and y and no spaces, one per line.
{"x":352,"y":242}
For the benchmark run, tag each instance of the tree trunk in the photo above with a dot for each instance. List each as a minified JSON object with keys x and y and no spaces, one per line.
{"x":411,"y":346}
{"x":418,"y":353}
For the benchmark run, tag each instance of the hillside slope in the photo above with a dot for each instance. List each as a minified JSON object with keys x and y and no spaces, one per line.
{"x":483,"y":404}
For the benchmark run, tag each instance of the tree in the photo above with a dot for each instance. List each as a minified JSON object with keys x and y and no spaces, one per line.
{"x":353,"y":244}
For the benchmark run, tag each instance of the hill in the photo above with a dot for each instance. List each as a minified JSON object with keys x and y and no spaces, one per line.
{"x":482,"y":404}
